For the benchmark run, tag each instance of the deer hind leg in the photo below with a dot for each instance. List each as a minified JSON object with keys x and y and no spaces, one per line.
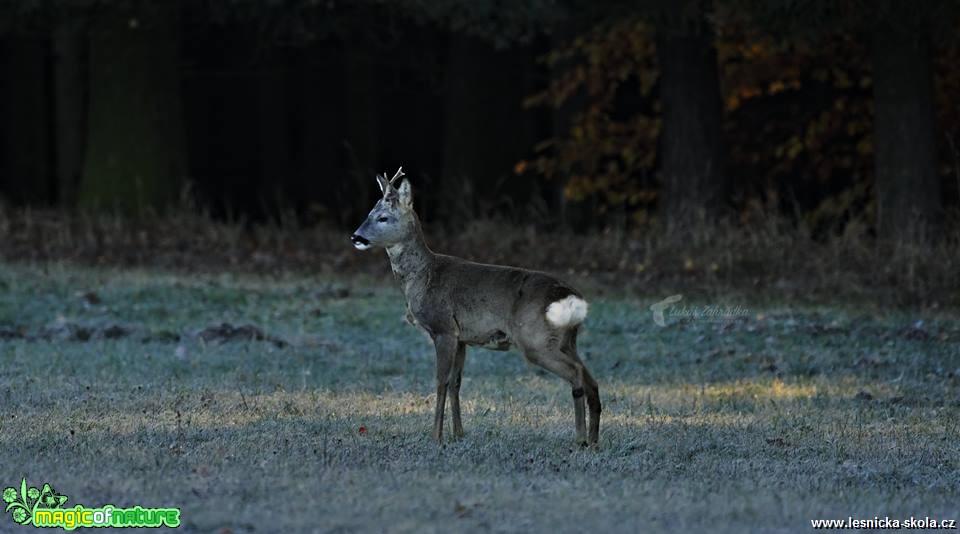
{"x":569,"y":349}
{"x":593,"y":400}
{"x":456,"y":376}
{"x":589,"y":388}
{"x":579,"y":414}
{"x":569,"y":368}
{"x":446,"y":346}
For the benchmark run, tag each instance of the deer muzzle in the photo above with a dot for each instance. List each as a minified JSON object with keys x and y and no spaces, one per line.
{"x":360,"y":242}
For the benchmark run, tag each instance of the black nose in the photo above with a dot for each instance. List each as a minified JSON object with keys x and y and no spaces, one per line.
{"x":359,"y":240}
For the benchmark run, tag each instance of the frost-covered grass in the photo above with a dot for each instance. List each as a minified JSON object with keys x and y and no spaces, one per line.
{"x":114,"y":389}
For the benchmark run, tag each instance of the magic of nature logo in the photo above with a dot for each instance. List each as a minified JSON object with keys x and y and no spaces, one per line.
{"x":44,"y":507}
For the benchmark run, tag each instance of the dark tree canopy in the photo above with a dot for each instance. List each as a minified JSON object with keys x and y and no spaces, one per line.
{"x":567,"y":112}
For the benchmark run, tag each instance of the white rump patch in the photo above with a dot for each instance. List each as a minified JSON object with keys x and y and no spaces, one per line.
{"x":567,"y":312}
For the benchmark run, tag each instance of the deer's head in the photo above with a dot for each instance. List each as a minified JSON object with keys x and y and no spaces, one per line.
{"x":391,"y":220}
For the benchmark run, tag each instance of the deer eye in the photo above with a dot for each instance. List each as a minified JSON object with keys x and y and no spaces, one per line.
{"x":382,"y":219}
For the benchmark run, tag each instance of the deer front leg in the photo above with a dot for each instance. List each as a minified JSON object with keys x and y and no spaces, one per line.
{"x":446,"y":346}
{"x":456,"y":376}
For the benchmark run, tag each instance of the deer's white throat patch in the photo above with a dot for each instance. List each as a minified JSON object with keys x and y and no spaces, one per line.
{"x":362,"y":246}
{"x":566,"y":312}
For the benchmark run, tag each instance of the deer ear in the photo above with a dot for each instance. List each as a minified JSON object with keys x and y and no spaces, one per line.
{"x":384,"y":183}
{"x":406,"y":194}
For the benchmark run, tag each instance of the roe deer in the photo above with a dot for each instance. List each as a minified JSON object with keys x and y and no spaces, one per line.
{"x":459,"y":303}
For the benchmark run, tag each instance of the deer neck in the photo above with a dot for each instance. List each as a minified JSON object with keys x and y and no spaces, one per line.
{"x":411,"y":261}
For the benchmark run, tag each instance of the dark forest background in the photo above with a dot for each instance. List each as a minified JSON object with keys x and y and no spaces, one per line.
{"x":566,"y":114}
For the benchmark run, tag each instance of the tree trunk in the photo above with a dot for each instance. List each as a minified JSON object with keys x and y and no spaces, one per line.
{"x":907,"y":185}
{"x":694,"y":184}
{"x":70,"y":92}
{"x":276,"y":166}
{"x":360,"y":120}
{"x":136,"y":156}
{"x":562,"y":117}
{"x":483,"y":108}
{"x":26,"y":172}
{"x":318,"y":102}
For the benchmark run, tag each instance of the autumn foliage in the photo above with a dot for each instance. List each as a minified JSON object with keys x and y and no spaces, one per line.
{"x":798,"y":123}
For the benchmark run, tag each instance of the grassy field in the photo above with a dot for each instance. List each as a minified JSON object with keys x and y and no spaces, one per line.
{"x":266,"y":404}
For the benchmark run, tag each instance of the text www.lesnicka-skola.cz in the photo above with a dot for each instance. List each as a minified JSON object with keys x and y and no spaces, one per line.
{"x":918,"y":523}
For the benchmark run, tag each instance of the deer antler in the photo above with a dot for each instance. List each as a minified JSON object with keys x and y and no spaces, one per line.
{"x":395,"y":176}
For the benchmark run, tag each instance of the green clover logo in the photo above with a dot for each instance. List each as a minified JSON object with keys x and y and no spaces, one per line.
{"x":24,"y":503}
{"x":50,"y":499}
